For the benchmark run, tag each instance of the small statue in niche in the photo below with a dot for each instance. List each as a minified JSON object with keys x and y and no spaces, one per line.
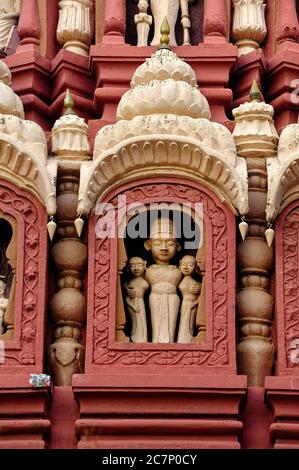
{"x":190,"y":290}
{"x":136,"y":290}
{"x":143,"y":23}
{"x":170,"y":9}
{"x":3,"y":303}
{"x":9,"y":15}
{"x":164,"y":279}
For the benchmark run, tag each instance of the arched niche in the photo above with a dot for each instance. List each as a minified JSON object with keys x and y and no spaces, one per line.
{"x":25,"y":239}
{"x":8,"y":265}
{"x":107,"y":258}
{"x":287,"y":290}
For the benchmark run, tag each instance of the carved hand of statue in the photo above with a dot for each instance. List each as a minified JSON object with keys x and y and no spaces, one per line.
{"x":131,"y":291}
{"x":186,"y":23}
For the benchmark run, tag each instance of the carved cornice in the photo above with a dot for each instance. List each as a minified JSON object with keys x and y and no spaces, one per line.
{"x":27,"y":170}
{"x":141,"y":157}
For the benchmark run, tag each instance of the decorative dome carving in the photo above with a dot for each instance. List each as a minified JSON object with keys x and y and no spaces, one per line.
{"x":162,"y":65}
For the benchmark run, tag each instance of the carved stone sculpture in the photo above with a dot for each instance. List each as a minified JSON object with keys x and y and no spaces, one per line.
{"x":164,"y":279}
{"x":249,"y":28}
{"x":143,"y":23}
{"x":3,"y":305}
{"x":75,"y":26}
{"x":190,"y":289}
{"x":170,"y":9}
{"x":135,"y":304}
{"x":9,"y":15}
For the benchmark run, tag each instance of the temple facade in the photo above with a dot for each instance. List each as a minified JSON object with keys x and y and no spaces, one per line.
{"x":149,"y":224}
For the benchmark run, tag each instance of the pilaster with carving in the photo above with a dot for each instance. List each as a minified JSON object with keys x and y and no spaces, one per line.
{"x":256,"y":139}
{"x":69,"y":253}
{"x":76,"y":25}
{"x":249,"y":25}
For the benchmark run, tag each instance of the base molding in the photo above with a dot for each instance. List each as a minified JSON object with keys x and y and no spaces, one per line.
{"x":168,"y":414}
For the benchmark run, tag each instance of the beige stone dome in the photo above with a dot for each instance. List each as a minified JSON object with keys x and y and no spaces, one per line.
{"x":162,"y":65}
{"x":164,"y":84}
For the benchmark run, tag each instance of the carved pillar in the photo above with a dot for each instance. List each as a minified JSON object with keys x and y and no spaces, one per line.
{"x":215,"y":21}
{"x":29,"y":27}
{"x":76,"y":25}
{"x":256,"y":139}
{"x":287,"y":24}
{"x":114,"y":22}
{"x":249,"y":26}
{"x":68,"y":305}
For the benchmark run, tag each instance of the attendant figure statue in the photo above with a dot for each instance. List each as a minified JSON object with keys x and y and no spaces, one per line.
{"x":9,"y":15}
{"x":135,"y":303}
{"x":190,"y":289}
{"x":143,"y":23}
{"x":170,"y":9}
{"x":164,"y":279}
{"x":3,"y":304}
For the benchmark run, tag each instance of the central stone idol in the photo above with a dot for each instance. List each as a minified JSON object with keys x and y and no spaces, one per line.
{"x":163,"y":278}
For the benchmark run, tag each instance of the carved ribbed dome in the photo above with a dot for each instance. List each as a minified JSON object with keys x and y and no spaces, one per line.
{"x":162,"y":65}
{"x":164,"y":84}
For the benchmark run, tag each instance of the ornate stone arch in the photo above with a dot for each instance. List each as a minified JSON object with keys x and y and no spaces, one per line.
{"x":27,"y":170}
{"x":160,"y":155}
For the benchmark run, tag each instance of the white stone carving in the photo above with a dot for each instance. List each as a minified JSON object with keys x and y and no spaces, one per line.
{"x":143,"y":23}
{"x":23,"y":146}
{"x":163,"y":126}
{"x":170,"y":9}
{"x":9,"y":16}
{"x":249,"y":25}
{"x":283,"y":173}
{"x":76,"y":25}
{"x":254,"y":132}
{"x":70,"y":138}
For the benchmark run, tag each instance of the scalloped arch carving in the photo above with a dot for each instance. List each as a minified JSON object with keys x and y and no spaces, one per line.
{"x":26,"y":171}
{"x":138,"y":158}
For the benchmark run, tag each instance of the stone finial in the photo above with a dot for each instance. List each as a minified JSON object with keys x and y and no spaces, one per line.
{"x":255,"y":93}
{"x":255,"y":134}
{"x":69,"y":103}
{"x":165,"y":31}
{"x":70,"y":134}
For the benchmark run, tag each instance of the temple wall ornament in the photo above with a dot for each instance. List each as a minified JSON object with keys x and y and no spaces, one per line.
{"x":70,"y":147}
{"x":23,"y":322}
{"x":23,"y":147}
{"x":75,"y":27}
{"x":283,"y":173}
{"x":282,"y":208}
{"x":9,"y":16}
{"x":151,"y":300}
{"x":256,"y":139}
{"x":249,"y":25}
{"x":158,"y":130}
{"x":143,"y":23}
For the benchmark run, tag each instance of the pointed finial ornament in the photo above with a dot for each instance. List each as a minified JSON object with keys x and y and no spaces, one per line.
{"x":79,"y":224}
{"x":243,"y":227}
{"x":69,"y":103}
{"x":255,"y":93}
{"x":165,"y":32}
{"x":51,"y":228}
{"x":269,"y":235}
